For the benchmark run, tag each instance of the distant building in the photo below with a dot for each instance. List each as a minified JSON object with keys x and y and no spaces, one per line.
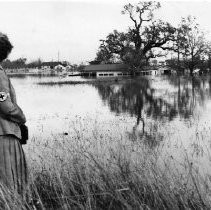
{"x":51,"y":64}
{"x":69,"y":68}
{"x":106,"y":70}
{"x":59,"y":67}
{"x":115,"y":70}
{"x":164,"y":71}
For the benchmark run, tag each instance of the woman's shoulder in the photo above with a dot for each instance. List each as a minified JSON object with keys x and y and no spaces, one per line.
{"x":2,"y":71}
{"x":3,"y":75}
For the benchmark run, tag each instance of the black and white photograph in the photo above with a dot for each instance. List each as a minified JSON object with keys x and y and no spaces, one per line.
{"x":105,"y":105}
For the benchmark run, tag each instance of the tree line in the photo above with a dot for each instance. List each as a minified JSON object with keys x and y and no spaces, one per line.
{"x":21,"y":63}
{"x":149,"y":38}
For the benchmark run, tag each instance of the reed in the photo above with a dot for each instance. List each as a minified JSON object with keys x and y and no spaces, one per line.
{"x":99,"y":171}
{"x":106,"y":173}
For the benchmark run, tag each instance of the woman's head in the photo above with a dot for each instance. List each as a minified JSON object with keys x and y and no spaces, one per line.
{"x":5,"y":46}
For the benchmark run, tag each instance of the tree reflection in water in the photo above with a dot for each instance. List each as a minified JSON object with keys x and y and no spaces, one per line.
{"x":139,"y":99}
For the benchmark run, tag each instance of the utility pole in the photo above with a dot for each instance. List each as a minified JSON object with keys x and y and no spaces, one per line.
{"x":58,"y":56}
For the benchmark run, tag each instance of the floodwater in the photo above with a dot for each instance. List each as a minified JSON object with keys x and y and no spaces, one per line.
{"x":162,"y":111}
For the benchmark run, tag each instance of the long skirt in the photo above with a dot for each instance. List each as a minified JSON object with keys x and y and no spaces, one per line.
{"x":13,"y":169}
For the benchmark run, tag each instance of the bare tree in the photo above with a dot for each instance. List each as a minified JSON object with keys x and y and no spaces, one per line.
{"x":191,"y":43}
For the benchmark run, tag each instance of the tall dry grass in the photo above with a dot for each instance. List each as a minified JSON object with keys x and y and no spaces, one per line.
{"x":101,"y":172}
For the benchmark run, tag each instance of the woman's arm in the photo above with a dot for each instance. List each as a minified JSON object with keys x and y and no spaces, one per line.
{"x":8,"y":109}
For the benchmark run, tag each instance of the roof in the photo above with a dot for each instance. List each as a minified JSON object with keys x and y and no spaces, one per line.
{"x":106,"y":67}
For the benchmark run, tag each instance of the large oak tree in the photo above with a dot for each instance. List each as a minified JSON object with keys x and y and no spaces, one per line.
{"x":136,"y":46}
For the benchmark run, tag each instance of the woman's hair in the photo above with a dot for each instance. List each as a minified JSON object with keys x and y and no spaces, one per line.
{"x":5,"y":46}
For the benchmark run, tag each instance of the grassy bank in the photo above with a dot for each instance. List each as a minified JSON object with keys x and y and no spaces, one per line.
{"x":105,"y":173}
{"x":78,"y":172}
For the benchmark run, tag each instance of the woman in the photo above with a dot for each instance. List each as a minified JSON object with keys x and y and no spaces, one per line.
{"x":13,"y":170}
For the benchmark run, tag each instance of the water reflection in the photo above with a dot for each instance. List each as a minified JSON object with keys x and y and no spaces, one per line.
{"x":160,"y":100}
{"x":139,"y":95}
{"x":191,"y":93}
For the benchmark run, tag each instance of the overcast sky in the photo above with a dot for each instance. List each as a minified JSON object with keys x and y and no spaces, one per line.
{"x":74,"y":28}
